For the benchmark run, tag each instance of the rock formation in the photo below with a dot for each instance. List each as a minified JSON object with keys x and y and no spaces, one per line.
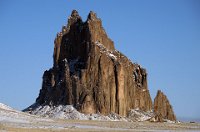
{"x":162,"y":107}
{"x":90,"y":74}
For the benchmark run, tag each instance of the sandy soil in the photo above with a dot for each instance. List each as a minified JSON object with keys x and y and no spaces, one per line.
{"x":97,"y":126}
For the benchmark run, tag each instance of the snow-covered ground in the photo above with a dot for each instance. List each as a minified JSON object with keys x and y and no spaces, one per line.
{"x":138,"y":115}
{"x":8,"y":114}
{"x":48,"y":113}
{"x":5,"y":107}
{"x":51,"y":118}
{"x":70,"y":113}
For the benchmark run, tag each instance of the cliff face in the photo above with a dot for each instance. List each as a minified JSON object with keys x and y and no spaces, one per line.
{"x":162,"y":107}
{"x":90,"y":74}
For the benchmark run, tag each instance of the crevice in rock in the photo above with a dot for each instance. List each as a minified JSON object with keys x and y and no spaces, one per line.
{"x":116,"y":84}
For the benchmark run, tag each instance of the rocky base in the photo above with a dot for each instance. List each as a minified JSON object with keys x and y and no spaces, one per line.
{"x":70,"y":113}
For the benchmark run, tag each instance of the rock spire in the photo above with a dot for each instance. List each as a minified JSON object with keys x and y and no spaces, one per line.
{"x":162,"y":107}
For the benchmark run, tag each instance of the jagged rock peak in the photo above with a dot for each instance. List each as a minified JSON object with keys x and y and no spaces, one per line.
{"x":92,"y":16}
{"x":75,"y":13}
{"x":74,"y":18}
{"x":160,"y":93}
{"x":162,"y":106}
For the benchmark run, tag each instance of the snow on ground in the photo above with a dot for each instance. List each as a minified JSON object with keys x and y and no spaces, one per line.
{"x":69,"y":112}
{"x":5,"y":107}
{"x":59,"y":112}
{"x":18,"y":119}
{"x":66,"y":112}
{"x":8,"y":114}
{"x":11,"y":118}
{"x":138,"y":115}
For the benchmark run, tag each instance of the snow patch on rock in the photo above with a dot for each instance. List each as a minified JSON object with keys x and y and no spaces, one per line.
{"x":106,"y":51}
{"x":138,"y":115}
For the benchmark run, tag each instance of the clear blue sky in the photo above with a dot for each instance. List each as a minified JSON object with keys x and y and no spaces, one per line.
{"x":161,"y":35}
